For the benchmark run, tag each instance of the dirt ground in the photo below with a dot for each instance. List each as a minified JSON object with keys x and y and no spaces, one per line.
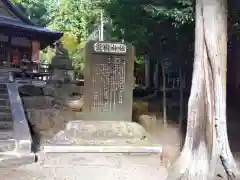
{"x":170,"y":137}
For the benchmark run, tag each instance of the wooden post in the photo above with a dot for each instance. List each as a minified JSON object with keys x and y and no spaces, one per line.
{"x":9,"y":52}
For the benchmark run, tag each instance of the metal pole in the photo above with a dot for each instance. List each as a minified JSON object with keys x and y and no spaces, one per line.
{"x":101,"y":27}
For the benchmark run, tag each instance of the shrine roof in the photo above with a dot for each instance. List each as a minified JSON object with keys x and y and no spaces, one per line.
{"x":18,"y":13}
{"x":18,"y":24}
{"x":23,"y":26}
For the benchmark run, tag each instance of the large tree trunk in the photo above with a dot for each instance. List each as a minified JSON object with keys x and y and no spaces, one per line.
{"x":215,"y":28}
{"x":206,"y":138}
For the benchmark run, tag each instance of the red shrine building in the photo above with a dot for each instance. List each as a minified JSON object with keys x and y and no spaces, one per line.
{"x":20,"y":37}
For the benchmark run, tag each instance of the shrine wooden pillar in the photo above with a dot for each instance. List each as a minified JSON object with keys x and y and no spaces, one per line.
{"x":35,"y":48}
{"x":9,"y":52}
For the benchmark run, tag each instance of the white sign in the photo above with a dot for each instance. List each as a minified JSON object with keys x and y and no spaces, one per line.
{"x":110,"y":47}
{"x":39,"y":83}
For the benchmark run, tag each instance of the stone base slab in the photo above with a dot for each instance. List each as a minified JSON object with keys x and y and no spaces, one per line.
{"x":102,"y":136}
{"x":102,"y":149}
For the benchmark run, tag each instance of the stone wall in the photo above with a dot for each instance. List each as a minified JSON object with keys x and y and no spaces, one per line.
{"x":45,"y":123}
{"x":38,"y":102}
{"x":46,"y":117}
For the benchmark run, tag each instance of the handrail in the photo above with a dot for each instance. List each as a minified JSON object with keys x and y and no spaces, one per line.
{"x":21,"y":128}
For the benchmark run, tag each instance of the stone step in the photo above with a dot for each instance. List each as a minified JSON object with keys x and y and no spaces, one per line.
{"x":12,"y":159}
{"x":7,"y":145}
{"x":4,"y":74}
{"x":4,"y":96}
{"x":6,"y":134}
{"x":5,"y":108}
{"x":3,"y":86}
{"x":3,"y":90}
{"x":5,"y":80}
{"x":6,"y":125}
{"x":4,"y":101}
{"x":5,"y":116}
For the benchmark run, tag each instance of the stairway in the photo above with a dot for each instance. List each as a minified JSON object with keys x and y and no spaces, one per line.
{"x":7,"y":141}
{"x":5,"y":75}
{"x":15,"y":138}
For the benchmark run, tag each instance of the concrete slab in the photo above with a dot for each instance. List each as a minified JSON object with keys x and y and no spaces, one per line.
{"x":13,"y":159}
{"x":102,"y":149}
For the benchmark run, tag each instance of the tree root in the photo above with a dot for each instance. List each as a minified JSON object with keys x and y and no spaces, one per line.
{"x":228,"y":162}
{"x":229,"y":168}
{"x":224,"y":151}
{"x":178,"y":168}
{"x":191,"y":165}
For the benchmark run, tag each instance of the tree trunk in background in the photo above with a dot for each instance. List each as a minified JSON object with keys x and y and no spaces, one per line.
{"x":206,"y":138}
{"x":156,"y":76}
{"x":147,"y":70}
{"x":181,"y":109}
{"x":164,"y":93}
{"x":151,"y":72}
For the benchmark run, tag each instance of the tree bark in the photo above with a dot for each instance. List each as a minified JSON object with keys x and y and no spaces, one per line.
{"x":147,"y":70}
{"x":215,"y":28}
{"x":206,"y":139}
{"x":181,"y":99}
{"x":193,"y":162}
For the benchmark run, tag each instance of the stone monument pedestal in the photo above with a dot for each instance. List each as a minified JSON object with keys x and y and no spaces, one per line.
{"x":102,"y":136}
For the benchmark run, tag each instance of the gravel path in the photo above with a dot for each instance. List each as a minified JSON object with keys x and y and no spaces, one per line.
{"x":89,"y":166}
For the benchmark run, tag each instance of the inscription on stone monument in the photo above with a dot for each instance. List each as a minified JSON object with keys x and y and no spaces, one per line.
{"x":110,"y":48}
{"x":110,"y":92}
{"x":108,"y":81}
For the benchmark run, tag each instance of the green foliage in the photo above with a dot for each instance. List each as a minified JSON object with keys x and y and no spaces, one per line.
{"x":179,"y":11}
{"x":158,"y":28}
{"x":75,"y":16}
{"x":36,"y":10}
{"x":139,"y":63}
{"x":129,"y":22}
{"x":74,"y":49}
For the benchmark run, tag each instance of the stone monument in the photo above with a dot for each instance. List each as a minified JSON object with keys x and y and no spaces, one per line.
{"x":61,"y":64}
{"x":107,"y":109}
{"x":108,"y":81}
